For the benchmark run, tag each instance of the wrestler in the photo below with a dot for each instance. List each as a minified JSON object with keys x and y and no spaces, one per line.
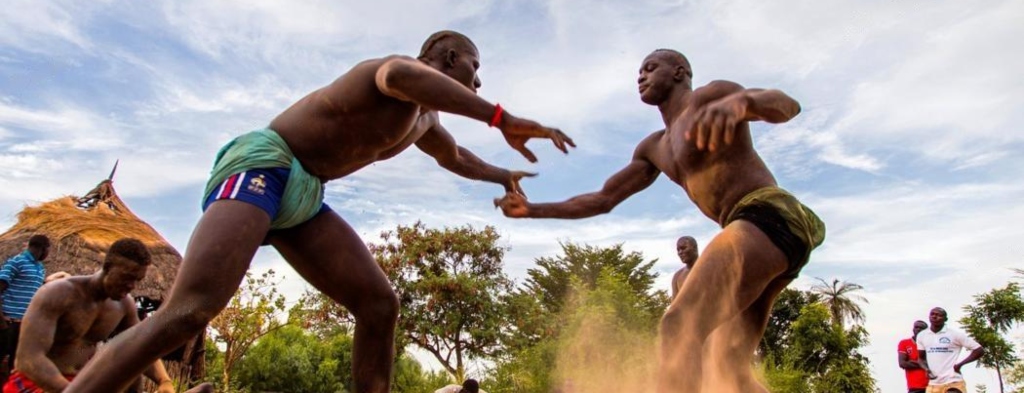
{"x":267,"y":187}
{"x":767,"y":234}
{"x":68,"y":318}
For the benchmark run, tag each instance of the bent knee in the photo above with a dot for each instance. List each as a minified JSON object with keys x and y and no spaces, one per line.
{"x":382,"y":308}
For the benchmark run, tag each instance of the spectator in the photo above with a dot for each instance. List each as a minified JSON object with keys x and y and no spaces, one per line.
{"x":917,"y":377}
{"x":939,"y":348}
{"x":20,"y":278}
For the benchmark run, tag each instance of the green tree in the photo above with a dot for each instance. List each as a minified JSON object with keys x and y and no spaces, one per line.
{"x":254,"y":311}
{"x":839,"y":298}
{"x":989,"y":320}
{"x":536,"y":307}
{"x":451,"y":288}
{"x":319,"y":314}
{"x":551,"y":279}
{"x":827,"y":353}
{"x":293,"y":360}
{"x":778,"y":333}
{"x":605,"y":342}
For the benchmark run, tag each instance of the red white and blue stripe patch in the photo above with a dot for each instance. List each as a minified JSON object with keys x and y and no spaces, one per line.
{"x":229,"y":188}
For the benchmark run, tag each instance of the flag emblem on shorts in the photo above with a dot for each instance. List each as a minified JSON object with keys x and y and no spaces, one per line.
{"x":258,"y":185}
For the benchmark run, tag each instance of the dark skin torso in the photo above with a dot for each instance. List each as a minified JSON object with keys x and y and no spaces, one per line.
{"x":85,"y":323}
{"x":349,"y":124}
{"x":714,"y":180}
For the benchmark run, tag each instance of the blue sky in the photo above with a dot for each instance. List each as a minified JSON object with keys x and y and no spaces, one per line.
{"x":908,"y":146}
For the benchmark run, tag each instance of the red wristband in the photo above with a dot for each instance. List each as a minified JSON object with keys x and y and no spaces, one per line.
{"x":497,"y":115}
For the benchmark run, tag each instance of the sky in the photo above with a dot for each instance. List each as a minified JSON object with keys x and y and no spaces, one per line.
{"x":908,"y":146}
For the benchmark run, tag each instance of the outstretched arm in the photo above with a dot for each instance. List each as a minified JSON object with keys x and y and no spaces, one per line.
{"x":409,"y":79}
{"x":438,"y":143}
{"x":37,"y":334}
{"x":155,"y":372}
{"x":636,"y":176}
{"x":716,"y":121}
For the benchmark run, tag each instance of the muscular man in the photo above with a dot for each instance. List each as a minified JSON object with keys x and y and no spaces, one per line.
{"x":686,"y":248}
{"x":267,"y":187}
{"x":706,"y":148}
{"x":728,"y":349}
{"x":68,"y":319}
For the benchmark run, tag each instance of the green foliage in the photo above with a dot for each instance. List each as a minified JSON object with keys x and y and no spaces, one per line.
{"x":214,"y":360}
{"x":322,"y":316}
{"x":605,"y":341}
{"x":778,"y":333}
{"x":292,"y":360}
{"x":451,"y":288}
{"x":253,"y":312}
{"x":819,"y":355}
{"x":410,"y":377}
{"x":536,"y":309}
{"x":989,"y":320}
{"x":552,"y":277}
{"x":785,"y":378}
{"x":839,"y":298}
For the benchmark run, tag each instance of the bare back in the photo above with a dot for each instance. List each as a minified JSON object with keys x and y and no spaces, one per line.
{"x":82,"y":322}
{"x":348,"y":124}
{"x":714,"y":180}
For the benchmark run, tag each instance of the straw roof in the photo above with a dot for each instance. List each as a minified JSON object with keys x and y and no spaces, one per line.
{"x":81,"y":231}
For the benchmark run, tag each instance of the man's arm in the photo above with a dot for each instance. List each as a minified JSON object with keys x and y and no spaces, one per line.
{"x":976,"y":354}
{"x":438,"y":143}
{"x":922,"y":360}
{"x":408,"y":79}
{"x":7,"y":273}
{"x":155,"y":372}
{"x":906,"y":363}
{"x":37,"y":334}
{"x":4,"y":320}
{"x":716,"y":122}
{"x":636,"y":176}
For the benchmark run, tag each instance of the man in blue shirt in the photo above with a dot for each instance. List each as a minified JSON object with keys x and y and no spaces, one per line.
{"x":20,"y":278}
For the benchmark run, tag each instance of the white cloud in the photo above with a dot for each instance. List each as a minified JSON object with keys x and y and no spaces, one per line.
{"x":43,"y":26}
{"x":884,"y":86}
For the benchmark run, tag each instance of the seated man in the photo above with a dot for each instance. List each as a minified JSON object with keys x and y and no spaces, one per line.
{"x":68,"y":318}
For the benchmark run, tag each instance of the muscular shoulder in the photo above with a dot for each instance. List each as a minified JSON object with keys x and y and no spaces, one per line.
{"x":647,"y":144}
{"x":59,"y":294}
{"x":715,"y":90}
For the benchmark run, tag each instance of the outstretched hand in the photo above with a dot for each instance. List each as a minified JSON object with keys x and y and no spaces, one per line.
{"x":715,"y":124}
{"x":512,"y":186}
{"x":517,"y":131}
{"x":513,"y":205}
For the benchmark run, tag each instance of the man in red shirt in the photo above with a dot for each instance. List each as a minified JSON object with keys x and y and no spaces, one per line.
{"x":917,"y":377}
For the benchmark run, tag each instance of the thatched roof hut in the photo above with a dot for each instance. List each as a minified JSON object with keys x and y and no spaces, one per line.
{"x":82,"y":229}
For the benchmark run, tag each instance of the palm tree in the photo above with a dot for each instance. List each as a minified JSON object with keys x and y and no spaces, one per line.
{"x":838,"y":298}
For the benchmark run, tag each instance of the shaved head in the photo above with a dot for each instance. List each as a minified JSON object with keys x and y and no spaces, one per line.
{"x":440,"y":42}
{"x":675,"y":57}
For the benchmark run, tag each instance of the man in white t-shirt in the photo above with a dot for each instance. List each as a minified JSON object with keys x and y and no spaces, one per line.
{"x":469,"y":386}
{"x":939,"y":347}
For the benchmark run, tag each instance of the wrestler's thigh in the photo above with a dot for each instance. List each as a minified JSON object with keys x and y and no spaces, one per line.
{"x":328,"y":254}
{"x":218,"y":254}
{"x":730,"y":276}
